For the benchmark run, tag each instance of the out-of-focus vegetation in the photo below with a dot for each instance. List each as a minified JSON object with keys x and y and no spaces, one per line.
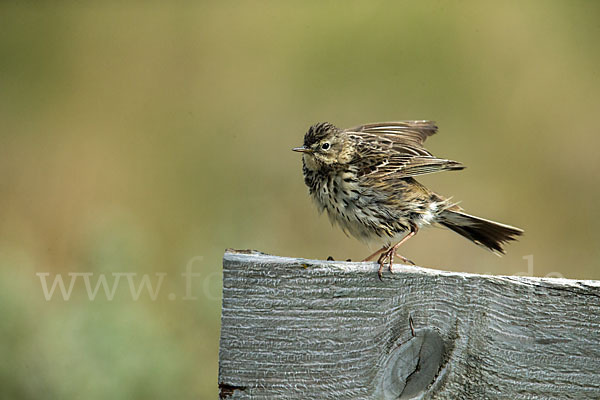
{"x":137,"y":136}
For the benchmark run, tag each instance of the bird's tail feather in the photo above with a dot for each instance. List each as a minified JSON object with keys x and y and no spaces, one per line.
{"x":489,"y":234}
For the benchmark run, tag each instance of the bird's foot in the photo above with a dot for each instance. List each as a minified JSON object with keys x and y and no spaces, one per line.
{"x":387,"y":257}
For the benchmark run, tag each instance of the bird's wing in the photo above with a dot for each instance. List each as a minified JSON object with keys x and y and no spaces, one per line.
{"x":402,"y":167}
{"x":411,"y":132}
{"x":395,"y":150}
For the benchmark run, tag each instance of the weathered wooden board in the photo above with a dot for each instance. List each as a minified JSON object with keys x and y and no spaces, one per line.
{"x":306,"y":329}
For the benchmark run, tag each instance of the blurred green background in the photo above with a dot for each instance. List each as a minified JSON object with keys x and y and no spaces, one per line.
{"x":137,"y":136}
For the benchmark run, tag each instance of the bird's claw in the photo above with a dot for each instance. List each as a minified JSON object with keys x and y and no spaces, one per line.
{"x":387,"y":257}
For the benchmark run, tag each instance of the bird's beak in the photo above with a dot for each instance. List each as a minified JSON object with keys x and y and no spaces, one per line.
{"x":302,"y":149}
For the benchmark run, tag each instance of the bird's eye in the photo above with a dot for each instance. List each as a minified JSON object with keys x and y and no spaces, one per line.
{"x":325,"y":146}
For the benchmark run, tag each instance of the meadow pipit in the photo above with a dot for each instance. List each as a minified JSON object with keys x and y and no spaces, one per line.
{"x":364,"y":178}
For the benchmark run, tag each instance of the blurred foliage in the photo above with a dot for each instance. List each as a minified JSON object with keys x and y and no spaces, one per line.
{"x":139,"y":135}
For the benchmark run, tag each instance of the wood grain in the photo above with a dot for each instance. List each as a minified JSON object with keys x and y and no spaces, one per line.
{"x":308,"y":329}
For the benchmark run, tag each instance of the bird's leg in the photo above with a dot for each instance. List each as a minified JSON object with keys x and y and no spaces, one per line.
{"x":389,"y":252}
{"x":413,"y":232}
{"x":381,"y":262}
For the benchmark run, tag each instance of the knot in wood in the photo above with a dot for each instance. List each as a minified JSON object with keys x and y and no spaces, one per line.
{"x":412,"y":367}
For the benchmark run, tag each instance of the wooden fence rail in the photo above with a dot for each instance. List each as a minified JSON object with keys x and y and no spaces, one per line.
{"x":306,"y":329}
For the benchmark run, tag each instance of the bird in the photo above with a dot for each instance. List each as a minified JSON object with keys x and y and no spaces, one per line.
{"x":364,"y":179}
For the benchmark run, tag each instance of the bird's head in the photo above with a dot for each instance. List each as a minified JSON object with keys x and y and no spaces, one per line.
{"x":324,"y":144}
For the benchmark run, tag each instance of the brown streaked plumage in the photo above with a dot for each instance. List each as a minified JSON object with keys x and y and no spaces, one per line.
{"x":364,"y":177}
